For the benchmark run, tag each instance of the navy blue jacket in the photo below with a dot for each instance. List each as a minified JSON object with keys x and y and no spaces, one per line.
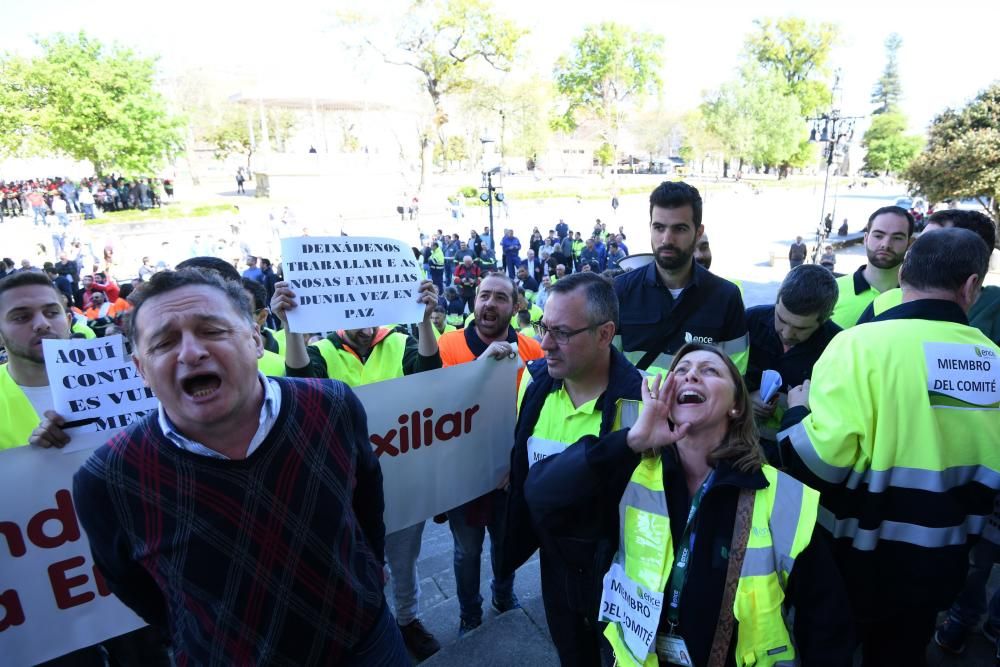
{"x":767,"y":351}
{"x":710,"y":310}
{"x":526,"y":529}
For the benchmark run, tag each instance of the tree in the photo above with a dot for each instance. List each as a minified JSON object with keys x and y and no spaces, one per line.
{"x":231,"y":134}
{"x":519,"y":110}
{"x":656,"y":131}
{"x":699,"y":143}
{"x":756,"y":118}
{"x":90,"y":102}
{"x":800,"y":53}
{"x":962,"y":156}
{"x":609,"y":71}
{"x":889,"y":148}
{"x":443,"y":41}
{"x":888,"y":89}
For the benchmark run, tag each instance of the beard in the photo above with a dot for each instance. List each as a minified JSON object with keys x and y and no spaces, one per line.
{"x":890,"y":262}
{"x":680,"y":260}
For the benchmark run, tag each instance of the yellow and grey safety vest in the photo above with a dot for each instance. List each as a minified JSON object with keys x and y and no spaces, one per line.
{"x":271,"y":364}
{"x":17,"y":416}
{"x":385,"y":361}
{"x":784,"y":515}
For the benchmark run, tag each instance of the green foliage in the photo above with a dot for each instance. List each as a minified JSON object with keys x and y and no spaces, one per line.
{"x":888,"y":89}
{"x":231,"y":135}
{"x":456,"y":149}
{"x":519,"y":109}
{"x":962,"y":156}
{"x":756,"y":118}
{"x":800,"y":53}
{"x":890,"y":149}
{"x":90,"y":102}
{"x":610,"y":69}
{"x":469,"y":191}
{"x":605,"y":155}
{"x":699,"y":141}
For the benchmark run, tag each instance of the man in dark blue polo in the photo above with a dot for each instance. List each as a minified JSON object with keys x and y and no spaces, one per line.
{"x":673,"y":300}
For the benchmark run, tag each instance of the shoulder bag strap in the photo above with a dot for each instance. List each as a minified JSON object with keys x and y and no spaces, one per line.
{"x":737,"y":550}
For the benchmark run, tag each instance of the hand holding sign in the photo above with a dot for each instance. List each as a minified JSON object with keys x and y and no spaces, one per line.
{"x":49,"y":432}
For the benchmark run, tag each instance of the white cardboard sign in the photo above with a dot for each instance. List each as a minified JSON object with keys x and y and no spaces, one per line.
{"x":350,"y":282}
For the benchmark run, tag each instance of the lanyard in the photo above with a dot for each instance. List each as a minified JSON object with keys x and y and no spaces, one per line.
{"x":679,"y":571}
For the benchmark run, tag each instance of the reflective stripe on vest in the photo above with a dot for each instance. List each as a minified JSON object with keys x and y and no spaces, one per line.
{"x":81,"y":328}
{"x":542,"y":448}
{"x":17,"y":416}
{"x":867,"y":539}
{"x":385,"y":361}
{"x":784,"y":515}
{"x":271,"y":364}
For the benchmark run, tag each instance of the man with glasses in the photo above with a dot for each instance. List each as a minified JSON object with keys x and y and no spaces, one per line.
{"x":583,"y":389}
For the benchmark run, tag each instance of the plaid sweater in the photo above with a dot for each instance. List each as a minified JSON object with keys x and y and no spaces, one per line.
{"x":275,"y":559}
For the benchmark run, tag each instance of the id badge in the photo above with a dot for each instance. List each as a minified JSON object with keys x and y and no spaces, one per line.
{"x":673,"y":649}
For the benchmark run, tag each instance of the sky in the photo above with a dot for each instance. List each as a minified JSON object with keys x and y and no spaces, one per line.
{"x":294,"y":47}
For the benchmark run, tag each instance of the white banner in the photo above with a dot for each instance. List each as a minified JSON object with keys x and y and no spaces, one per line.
{"x":442,"y":438}
{"x":52,"y":600}
{"x":95,"y":385}
{"x":350,"y":282}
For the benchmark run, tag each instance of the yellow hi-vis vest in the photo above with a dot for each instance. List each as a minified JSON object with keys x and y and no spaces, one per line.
{"x":384,"y":363}
{"x":271,"y":364}
{"x":279,"y":338}
{"x":886,"y":300}
{"x":447,"y":328}
{"x":784,"y":515}
{"x":17,"y":416}
{"x":81,"y":328}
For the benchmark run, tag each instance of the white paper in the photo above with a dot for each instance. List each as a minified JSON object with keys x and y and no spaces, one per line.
{"x":95,"y":380}
{"x":350,"y":282}
{"x":471,"y":435}
{"x":963,"y":376}
{"x":770,"y":383}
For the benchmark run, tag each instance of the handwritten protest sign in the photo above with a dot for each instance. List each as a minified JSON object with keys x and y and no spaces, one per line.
{"x":52,"y":599}
{"x":350,"y":282}
{"x":440,"y":448}
{"x":95,"y":385}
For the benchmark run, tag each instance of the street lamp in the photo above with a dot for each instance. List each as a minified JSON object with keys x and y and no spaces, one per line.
{"x":489,"y":190}
{"x":830,"y":129}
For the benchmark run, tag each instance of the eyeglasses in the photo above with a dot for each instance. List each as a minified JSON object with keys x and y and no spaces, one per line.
{"x":560,"y":336}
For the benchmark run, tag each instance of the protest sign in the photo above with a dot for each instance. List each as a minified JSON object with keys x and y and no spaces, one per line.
{"x":440,"y":448}
{"x":95,"y":386}
{"x":52,"y":599}
{"x":350,"y":282}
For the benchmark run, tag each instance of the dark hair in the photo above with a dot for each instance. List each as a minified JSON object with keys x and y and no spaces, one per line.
{"x":675,"y":194}
{"x":258,"y":291}
{"x":944,"y":259}
{"x":602,"y":302}
{"x":945,"y":217}
{"x":440,"y":309}
{"x":168,"y":281}
{"x":809,"y":289}
{"x":264,"y":260}
{"x":220,"y":266}
{"x":23,"y":279}
{"x":125,"y":289}
{"x":895,"y":210}
{"x":524,"y":316}
{"x":981,"y":224}
{"x":741,"y":445}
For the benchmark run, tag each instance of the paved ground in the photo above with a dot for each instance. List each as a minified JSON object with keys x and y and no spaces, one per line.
{"x":521,"y":639}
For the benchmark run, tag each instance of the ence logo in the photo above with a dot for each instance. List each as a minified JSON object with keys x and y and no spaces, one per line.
{"x":420,"y":429}
{"x":691,"y":338}
{"x":985,"y":352}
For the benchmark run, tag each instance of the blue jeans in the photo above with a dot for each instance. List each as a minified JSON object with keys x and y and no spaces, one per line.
{"x":402,"y":549}
{"x":88,"y":211}
{"x":449,"y":267}
{"x":382,"y":647}
{"x":40,"y":212}
{"x":970,"y":604}
{"x":468,"y":557}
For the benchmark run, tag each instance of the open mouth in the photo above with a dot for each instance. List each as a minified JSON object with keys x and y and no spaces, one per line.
{"x":201,"y":385}
{"x":690,"y":397}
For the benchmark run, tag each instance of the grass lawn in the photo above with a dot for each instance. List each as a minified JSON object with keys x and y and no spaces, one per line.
{"x":167,"y":212}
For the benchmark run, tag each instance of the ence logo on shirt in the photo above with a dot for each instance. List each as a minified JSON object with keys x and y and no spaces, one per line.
{"x":691,"y":338}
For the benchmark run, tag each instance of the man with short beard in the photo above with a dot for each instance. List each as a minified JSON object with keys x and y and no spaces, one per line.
{"x":488,"y":335}
{"x":888,"y":235}
{"x":674,"y":300}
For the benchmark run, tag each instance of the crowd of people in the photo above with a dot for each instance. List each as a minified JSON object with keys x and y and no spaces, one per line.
{"x":796,"y":483}
{"x":63,"y":196}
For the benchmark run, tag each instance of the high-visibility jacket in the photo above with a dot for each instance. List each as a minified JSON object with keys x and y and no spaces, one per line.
{"x":279,"y":338}
{"x":784,"y":515}
{"x":385,"y":361}
{"x":436,"y":260}
{"x":454,"y":347}
{"x":271,"y":364}
{"x":855,"y":293}
{"x":902,"y":442}
{"x":17,"y":416}
{"x":81,"y":328}
{"x":447,"y":328}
